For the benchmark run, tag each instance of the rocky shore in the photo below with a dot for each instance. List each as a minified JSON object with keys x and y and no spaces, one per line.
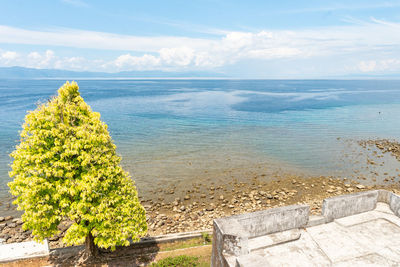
{"x":171,"y":209}
{"x":385,"y":145}
{"x":195,"y":211}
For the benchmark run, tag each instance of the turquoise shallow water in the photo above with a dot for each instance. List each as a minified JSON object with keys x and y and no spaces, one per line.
{"x":176,"y":130}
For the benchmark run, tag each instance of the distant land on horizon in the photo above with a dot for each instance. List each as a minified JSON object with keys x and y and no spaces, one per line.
{"x":31,"y":73}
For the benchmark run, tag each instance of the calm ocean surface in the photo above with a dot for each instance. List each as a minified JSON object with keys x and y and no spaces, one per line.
{"x":176,"y":130}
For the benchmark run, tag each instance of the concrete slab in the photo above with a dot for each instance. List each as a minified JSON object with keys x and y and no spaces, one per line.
{"x":302,"y":252}
{"x":336,"y":242}
{"x":23,"y":250}
{"x":376,"y":234}
{"x":367,"y":216}
{"x":265,"y":241}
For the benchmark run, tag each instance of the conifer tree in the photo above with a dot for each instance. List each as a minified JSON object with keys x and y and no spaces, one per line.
{"x":66,"y":168}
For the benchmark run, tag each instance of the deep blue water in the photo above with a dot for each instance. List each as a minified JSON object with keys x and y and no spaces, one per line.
{"x":160,"y":125}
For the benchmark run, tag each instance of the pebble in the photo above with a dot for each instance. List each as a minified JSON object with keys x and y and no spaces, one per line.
{"x":12,"y":225}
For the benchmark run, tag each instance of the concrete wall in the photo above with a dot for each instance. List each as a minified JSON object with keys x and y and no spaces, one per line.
{"x":229,"y":237}
{"x":394,"y":203}
{"x":274,"y":220}
{"x":346,"y":205}
{"x":231,"y":234}
{"x":384,"y":196}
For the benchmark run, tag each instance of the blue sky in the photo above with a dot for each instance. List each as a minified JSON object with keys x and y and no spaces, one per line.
{"x":248,"y":39}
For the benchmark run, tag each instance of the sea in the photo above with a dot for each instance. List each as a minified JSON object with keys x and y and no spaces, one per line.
{"x":177,"y":131}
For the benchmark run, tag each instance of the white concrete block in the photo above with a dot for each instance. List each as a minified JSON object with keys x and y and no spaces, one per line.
{"x":23,"y":250}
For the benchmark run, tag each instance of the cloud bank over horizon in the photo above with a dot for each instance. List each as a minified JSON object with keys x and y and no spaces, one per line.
{"x":356,"y":47}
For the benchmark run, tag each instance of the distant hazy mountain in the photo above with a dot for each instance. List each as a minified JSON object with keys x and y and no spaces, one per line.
{"x":28,"y":73}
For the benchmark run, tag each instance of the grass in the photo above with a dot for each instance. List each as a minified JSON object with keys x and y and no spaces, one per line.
{"x":180,"y":261}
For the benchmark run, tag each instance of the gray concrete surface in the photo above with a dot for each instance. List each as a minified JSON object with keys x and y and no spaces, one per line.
{"x":360,"y":229}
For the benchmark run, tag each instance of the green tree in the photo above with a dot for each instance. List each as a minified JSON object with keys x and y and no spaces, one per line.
{"x":66,"y":168}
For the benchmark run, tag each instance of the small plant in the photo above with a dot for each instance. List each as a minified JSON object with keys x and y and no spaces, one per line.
{"x":179,"y":261}
{"x":206,"y":237}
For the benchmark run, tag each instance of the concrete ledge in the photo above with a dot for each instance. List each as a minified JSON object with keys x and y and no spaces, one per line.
{"x":275,"y":220}
{"x":271,"y":221}
{"x":171,"y":237}
{"x":231,"y":234}
{"x":316,"y":220}
{"x":384,"y":196}
{"x":230,"y":239}
{"x":24,"y":250}
{"x":346,"y":205}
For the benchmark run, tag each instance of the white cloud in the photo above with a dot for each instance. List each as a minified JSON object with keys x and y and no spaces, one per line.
{"x":44,"y":60}
{"x":335,"y":45}
{"x":180,"y":56}
{"x":34,"y":56}
{"x":96,"y":40}
{"x":367,"y":66}
{"x":8,"y":57}
{"x":385,"y":65}
{"x":128,"y":62}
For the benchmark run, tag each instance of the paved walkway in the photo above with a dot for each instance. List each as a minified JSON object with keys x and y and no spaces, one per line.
{"x":367,"y":239}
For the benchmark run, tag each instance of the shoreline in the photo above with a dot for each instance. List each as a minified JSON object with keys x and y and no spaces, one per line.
{"x":193,"y":214}
{"x":172,"y":210}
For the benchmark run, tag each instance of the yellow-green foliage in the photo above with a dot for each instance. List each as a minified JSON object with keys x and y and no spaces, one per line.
{"x":66,"y":167}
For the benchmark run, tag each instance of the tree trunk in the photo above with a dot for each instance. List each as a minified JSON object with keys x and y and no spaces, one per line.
{"x":90,"y":247}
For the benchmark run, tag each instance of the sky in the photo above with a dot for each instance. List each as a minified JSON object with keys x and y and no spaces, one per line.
{"x":236,"y":38}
